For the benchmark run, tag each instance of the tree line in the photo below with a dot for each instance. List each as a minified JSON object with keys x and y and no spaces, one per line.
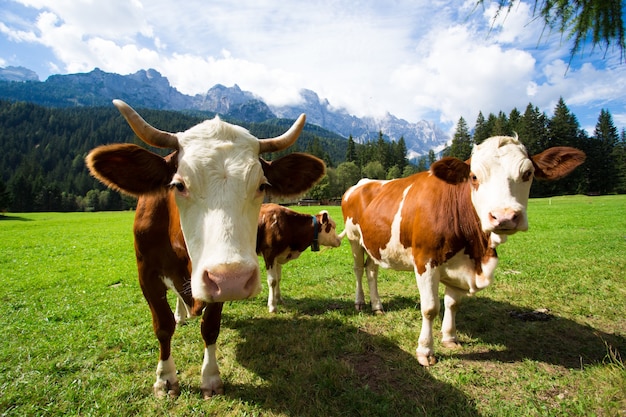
{"x":42,"y":152}
{"x":604,"y":171}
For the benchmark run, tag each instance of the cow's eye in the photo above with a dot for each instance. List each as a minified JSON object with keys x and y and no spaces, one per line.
{"x":179,"y":185}
{"x":264,"y":186}
{"x":473,"y":179}
{"x":527,"y":175}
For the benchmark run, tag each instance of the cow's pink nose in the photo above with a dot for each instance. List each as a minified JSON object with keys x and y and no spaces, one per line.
{"x":230,"y":285}
{"x":505,"y":219}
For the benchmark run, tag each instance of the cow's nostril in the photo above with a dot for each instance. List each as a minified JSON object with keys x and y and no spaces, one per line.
{"x":212,"y":286}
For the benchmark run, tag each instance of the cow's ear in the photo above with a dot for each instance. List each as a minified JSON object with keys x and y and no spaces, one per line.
{"x":292,"y":174}
{"x":451,"y":170}
{"x":130,"y":169}
{"x":557,"y":162}
{"x":324,"y":214}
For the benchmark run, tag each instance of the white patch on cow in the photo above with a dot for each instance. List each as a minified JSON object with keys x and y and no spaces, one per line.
{"x":496,"y":240}
{"x":459,"y":272}
{"x":211,"y":380}
{"x":273,"y":284}
{"x":352,"y":230}
{"x":349,"y":191}
{"x":504,"y":174}
{"x":219,"y":166}
{"x":182,"y":310}
{"x":395,"y":255}
{"x":165,"y":377}
{"x":287,"y":255}
{"x":486,"y":278}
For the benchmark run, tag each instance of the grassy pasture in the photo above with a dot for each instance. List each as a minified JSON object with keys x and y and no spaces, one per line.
{"x":76,"y":336}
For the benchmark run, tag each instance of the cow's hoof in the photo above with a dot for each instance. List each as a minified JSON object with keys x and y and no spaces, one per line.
{"x":380,"y":312}
{"x":451,"y":344}
{"x":171,"y":390}
{"x":208,"y":393}
{"x":272,"y":309}
{"x":212,"y":386}
{"x":426,"y":360}
{"x":359,"y":306}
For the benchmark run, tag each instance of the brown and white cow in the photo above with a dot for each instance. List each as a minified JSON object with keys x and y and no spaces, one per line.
{"x":445,"y":224}
{"x":199,"y":205}
{"x":283,"y":234}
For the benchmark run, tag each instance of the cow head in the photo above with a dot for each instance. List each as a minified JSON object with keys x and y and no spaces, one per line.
{"x":500,"y":174}
{"x":328,"y":230}
{"x":219,"y":183}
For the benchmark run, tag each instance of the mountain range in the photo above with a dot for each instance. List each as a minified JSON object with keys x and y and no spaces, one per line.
{"x":149,"y":89}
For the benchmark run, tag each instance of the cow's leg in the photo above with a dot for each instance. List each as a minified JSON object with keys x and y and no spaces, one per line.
{"x":182,"y":311}
{"x":358,"y":257}
{"x":428,"y":286}
{"x":273,"y":284}
{"x":164,"y":325}
{"x":210,"y":327}
{"x":452,"y":300}
{"x":372,"y":281}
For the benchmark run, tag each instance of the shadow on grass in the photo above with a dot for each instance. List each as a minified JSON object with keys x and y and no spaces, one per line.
{"x":319,"y":366}
{"x":557,"y":341}
{"x":14,"y":218}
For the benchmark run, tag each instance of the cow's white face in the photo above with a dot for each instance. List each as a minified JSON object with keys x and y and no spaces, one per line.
{"x":219,"y":191}
{"x":501,"y":176}
{"x":328,"y":235}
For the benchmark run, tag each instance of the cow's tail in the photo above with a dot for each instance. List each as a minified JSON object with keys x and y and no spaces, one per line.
{"x":342,"y":234}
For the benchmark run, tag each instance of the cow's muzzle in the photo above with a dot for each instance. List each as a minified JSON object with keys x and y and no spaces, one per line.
{"x":228,"y":284}
{"x":505,"y":221}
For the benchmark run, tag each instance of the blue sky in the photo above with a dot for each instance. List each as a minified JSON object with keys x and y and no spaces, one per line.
{"x":416,"y":59}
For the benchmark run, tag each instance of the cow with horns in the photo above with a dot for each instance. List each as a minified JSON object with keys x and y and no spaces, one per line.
{"x":445,"y":224}
{"x":199,"y":205}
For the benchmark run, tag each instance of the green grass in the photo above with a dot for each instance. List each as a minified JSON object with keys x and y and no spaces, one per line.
{"x":77,"y":337}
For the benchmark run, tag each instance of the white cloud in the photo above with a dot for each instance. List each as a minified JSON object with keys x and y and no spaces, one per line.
{"x":459,"y":74}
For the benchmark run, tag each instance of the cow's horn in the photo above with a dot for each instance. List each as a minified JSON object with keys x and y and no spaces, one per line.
{"x":150,"y":135}
{"x":286,"y":139}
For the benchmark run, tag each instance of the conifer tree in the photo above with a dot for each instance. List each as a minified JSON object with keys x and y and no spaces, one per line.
{"x":563,"y":127}
{"x":382,"y":151}
{"x":564,"y":130}
{"x":400,"y":159}
{"x":515,"y":119}
{"x":500,"y":125}
{"x":481,"y":130}
{"x":461,"y":146}
{"x":619,"y":156}
{"x":431,"y":157}
{"x":600,"y":155}
{"x":533,"y":130}
{"x":351,"y":155}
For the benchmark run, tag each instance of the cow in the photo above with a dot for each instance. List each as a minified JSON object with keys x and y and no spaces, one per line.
{"x":445,"y":224}
{"x":283,"y":234}
{"x":199,"y":206}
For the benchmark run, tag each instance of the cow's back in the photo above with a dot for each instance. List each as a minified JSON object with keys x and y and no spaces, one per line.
{"x":412,"y":221}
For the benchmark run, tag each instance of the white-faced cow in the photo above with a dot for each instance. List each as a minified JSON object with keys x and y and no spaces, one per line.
{"x":445,"y":224}
{"x":283,"y":234}
{"x":199,"y":205}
